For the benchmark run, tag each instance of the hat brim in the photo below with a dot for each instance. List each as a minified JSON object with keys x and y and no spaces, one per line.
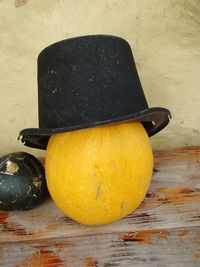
{"x":153,"y":119}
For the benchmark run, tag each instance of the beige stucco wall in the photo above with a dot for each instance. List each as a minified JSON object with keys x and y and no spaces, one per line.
{"x":164,"y":35}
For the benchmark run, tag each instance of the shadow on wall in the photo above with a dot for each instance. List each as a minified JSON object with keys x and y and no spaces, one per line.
{"x":176,"y":136}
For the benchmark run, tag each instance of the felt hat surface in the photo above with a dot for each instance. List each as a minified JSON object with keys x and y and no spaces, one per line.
{"x":89,"y":81}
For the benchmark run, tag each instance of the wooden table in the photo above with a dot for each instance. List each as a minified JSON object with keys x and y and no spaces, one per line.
{"x":163,"y":231}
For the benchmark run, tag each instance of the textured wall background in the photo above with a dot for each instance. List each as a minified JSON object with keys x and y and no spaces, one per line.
{"x":164,"y":35}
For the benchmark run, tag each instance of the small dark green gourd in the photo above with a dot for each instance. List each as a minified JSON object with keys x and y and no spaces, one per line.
{"x":22,"y":182}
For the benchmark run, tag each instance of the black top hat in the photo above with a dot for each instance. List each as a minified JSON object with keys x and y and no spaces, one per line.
{"x":86,"y":82}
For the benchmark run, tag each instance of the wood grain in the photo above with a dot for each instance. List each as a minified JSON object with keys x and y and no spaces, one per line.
{"x":172,"y":201}
{"x":164,"y":231}
{"x":150,"y":248}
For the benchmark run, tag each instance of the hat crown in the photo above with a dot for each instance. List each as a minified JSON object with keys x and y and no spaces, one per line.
{"x":87,"y":79}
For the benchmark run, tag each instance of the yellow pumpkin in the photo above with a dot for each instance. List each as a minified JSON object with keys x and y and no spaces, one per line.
{"x":99,"y":175}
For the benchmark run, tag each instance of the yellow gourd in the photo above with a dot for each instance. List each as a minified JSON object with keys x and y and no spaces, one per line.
{"x":99,"y":175}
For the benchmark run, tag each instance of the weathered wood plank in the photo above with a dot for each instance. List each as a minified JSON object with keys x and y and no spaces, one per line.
{"x":172,"y":201}
{"x":162,"y":248}
{"x":181,"y":153}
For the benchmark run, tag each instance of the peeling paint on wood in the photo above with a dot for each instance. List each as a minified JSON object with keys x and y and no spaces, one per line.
{"x":146,"y":248}
{"x":164,"y":229}
{"x":45,"y":258}
{"x":146,"y":236}
{"x":183,"y":232}
{"x":172,"y":200}
{"x":89,"y":262}
{"x":3,"y":217}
